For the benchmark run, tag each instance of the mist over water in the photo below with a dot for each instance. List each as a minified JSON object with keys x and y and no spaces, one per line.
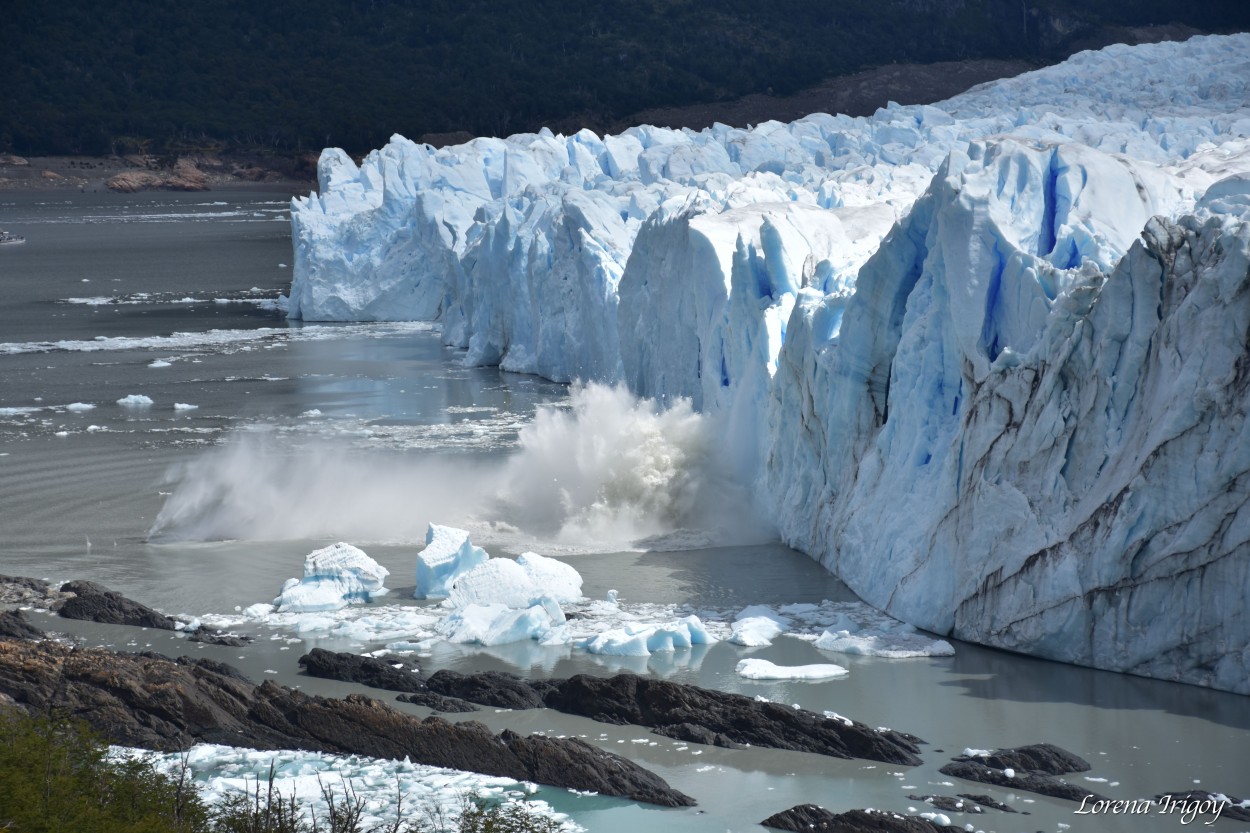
{"x":606,"y":471}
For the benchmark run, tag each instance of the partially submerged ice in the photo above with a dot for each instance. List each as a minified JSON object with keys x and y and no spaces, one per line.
{"x":989,"y":357}
{"x":334,"y":577}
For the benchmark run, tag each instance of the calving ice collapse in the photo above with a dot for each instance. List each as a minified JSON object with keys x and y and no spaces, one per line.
{"x":984,"y":359}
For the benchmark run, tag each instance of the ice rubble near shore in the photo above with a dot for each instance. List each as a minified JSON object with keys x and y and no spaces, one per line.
{"x":498,"y":601}
{"x":967,"y":387}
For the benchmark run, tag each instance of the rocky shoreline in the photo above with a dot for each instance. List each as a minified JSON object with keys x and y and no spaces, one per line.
{"x":153,"y":701}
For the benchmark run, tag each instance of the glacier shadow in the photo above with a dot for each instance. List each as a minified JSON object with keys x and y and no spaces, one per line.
{"x":993,"y":674}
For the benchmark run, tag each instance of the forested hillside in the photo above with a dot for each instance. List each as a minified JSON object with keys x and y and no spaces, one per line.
{"x":80,"y":76}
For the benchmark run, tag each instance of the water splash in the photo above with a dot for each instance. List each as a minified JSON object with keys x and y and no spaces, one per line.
{"x":604,"y":471}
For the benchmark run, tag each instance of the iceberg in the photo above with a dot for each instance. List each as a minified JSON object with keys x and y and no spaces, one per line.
{"x":334,"y":577}
{"x":762,"y":669}
{"x":642,"y":640}
{"x":448,"y":553}
{"x":983,"y":359}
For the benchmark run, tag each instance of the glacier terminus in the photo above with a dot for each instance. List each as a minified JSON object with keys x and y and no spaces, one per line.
{"x":987,"y":360}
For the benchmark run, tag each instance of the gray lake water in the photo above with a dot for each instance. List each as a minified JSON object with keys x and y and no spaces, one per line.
{"x":304,"y":435}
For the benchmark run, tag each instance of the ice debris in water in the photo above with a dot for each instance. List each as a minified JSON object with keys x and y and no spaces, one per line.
{"x":226,"y":771}
{"x":135,"y":400}
{"x":334,"y":577}
{"x":756,"y":626}
{"x":762,"y":669}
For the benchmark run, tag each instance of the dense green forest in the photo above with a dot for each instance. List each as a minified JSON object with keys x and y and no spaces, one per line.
{"x":81,"y":76}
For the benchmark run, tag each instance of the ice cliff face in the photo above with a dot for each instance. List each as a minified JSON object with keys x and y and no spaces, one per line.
{"x":955,"y":373}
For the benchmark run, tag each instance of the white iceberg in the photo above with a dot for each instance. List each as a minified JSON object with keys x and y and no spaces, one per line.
{"x":757,"y":626}
{"x":448,"y":553}
{"x":334,"y":577}
{"x":883,"y":644}
{"x":762,"y":669}
{"x":135,"y":400}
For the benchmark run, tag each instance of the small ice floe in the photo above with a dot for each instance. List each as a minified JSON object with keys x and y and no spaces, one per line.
{"x":762,"y":669}
{"x":334,"y":577}
{"x":757,"y":626}
{"x":183,"y":406}
{"x":159,"y":363}
{"x":79,"y":407}
{"x":135,"y":400}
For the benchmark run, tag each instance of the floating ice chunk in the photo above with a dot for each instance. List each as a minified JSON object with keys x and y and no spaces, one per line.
{"x":448,"y":553}
{"x":159,"y":363}
{"x":183,"y":406}
{"x":334,"y":577}
{"x":871,"y":643}
{"x":642,"y":640}
{"x":497,"y":624}
{"x":555,"y":578}
{"x":135,"y":400}
{"x":762,"y":669}
{"x":497,"y":581}
{"x":257,"y":610}
{"x":757,"y":626}
{"x":79,"y":407}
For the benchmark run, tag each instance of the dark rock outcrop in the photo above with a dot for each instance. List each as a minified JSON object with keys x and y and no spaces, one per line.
{"x":437,"y":702}
{"x":807,"y":817}
{"x":490,"y":688}
{"x":644,"y":701}
{"x":211,"y":637}
{"x":1045,"y":758}
{"x":987,"y":801}
{"x":15,"y":625}
{"x":675,"y":710}
{"x":1232,"y":810}
{"x":1019,"y":780}
{"x":150,"y":702}
{"x":21,"y":590}
{"x":948,"y":804}
{"x":375,"y":673}
{"x":95,"y":603}
{"x":696,"y":734}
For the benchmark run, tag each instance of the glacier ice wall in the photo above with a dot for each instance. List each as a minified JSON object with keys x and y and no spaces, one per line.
{"x":929,"y":333}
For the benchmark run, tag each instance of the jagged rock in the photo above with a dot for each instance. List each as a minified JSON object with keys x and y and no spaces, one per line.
{"x":369,"y":671}
{"x":21,"y":590}
{"x":674,"y":710}
{"x":807,"y":817}
{"x":128,"y":182}
{"x":212,"y":637}
{"x":187,"y":176}
{"x":1038,"y":757}
{"x":643,"y":701}
{"x":987,"y":801}
{"x":15,"y":625}
{"x":95,"y":603}
{"x":1233,"y":810}
{"x":153,"y":703}
{"x":1027,"y":781}
{"x":437,"y":702}
{"x":696,"y":734}
{"x":489,"y":688}
{"x":947,"y":804}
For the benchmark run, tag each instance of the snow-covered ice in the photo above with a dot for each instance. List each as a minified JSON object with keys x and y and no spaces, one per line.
{"x":334,"y":577}
{"x":961,"y":351}
{"x":762,"y":669}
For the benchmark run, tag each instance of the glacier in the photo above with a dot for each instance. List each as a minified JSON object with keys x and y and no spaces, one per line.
{"x":986,"y":359}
